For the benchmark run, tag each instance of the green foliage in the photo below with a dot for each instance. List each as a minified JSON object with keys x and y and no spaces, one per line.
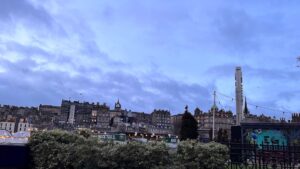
{"x":53,"y":149}
{"x":84,"y":132}
{"x":63,"y":150}
{"x":58,"y":149}
{"x":193,"y":155}
{"x":222,"y":136}
{"x":189,"y":127}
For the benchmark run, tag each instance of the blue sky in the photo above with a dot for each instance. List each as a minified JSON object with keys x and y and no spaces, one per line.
{"x":150,"y":54}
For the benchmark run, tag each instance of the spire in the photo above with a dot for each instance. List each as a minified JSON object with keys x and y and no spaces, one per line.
{"x":118,"y":105}
{"x":246,"y":110}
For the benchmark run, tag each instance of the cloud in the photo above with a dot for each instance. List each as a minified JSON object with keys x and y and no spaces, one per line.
{"x":241,"y":30}
{"x":51,"y":86}
{"x":148,"y":55}
{"x":11,"y":10}
{"x":272,"y":88}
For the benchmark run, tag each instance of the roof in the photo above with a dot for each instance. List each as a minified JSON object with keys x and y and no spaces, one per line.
{"x":270,"y":125}
{"x":5,"y":133}
{"x":21,"y":134}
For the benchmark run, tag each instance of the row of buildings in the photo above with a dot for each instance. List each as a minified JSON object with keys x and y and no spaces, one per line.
{"x":72,"y":115}
{"x":101,"y":118}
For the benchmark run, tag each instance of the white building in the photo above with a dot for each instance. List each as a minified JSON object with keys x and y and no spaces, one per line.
{"x":9,"y":126}
{"x":23,"y":126}
{"x":239,"y":95}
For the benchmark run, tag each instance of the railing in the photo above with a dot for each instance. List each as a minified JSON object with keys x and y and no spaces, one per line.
{"x":244,"y":156}
{"x":14,"y":156}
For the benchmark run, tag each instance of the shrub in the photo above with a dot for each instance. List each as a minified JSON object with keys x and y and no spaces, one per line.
{"x":141,"y":156}
{"x":63,"y":150}
{"x":53,"y":149}
{"x":192,"y":155}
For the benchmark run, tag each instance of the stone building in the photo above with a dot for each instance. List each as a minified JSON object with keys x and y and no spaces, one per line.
{"x":15,"y":125}
{"x":8,"y":125}
{"x":161,"y":121}
{"x":31,"y":113}
{"x":83,"y":114}
{"x":142,"y":117}
{"x":49,"y":110}
{"x":223,"y":120}
{"x":252,"y":118}
{"x":23,"y":125}
{"x":101,"y":118}
{"x":296,"y":118}
{"x":176,"y":121}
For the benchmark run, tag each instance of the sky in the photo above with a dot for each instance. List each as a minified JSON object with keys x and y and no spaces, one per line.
{"x":151,"y":54}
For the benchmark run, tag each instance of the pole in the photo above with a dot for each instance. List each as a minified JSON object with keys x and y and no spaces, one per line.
{"x":214,"y":112}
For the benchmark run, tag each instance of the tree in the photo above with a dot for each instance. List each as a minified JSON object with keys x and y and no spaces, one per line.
{"x":222,"y":136}
{"x":210,"y":134}
{"x":189,"y":126}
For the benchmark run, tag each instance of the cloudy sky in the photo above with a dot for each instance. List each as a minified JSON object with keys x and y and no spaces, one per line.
{"x":151,"y":53}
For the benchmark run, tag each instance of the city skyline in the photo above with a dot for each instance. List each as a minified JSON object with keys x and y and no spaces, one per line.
{"x":150,"y":56}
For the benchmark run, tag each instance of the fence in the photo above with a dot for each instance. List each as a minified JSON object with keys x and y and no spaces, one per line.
{"x":14,"y":156}
{"x":244,"y":156}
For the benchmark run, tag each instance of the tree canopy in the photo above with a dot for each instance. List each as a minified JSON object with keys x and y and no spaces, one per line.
{"x":189,"y":126}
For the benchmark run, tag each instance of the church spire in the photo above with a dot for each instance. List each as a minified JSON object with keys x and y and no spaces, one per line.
{"x":118,"y":105}
{"x":246,"y":110}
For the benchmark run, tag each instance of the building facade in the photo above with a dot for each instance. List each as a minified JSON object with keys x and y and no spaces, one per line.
{"x":23,"y":125}
{"x":9,"y":126}
{"x":83,"y":114}
{"x":296,"y":118}
{"x":176,"y":121}
{"x":161,"y":121}
{"x":223,"y":120}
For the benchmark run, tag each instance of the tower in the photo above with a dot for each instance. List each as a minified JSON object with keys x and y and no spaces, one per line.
{"x":71,"y":117}
{"x":118,"y":105}
{"x":239,"y":95}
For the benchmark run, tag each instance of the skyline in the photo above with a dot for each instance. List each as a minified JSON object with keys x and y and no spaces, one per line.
{"x":150,"y":56}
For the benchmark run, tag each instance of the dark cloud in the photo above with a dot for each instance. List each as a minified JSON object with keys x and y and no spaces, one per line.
{"x":239,"y":30}
{"x":50,"y":66}
{"x":15,"y":9}
{"x":52,"y":86}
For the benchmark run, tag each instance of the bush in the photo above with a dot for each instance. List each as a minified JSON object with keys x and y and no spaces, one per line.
{"x":63,"y":150}
{"x":55,"y":149}
{"x":192,"y":155}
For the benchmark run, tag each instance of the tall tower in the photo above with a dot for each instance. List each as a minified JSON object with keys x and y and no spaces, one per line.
{"x":239,"y":95}
{"x":71,"y":117}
